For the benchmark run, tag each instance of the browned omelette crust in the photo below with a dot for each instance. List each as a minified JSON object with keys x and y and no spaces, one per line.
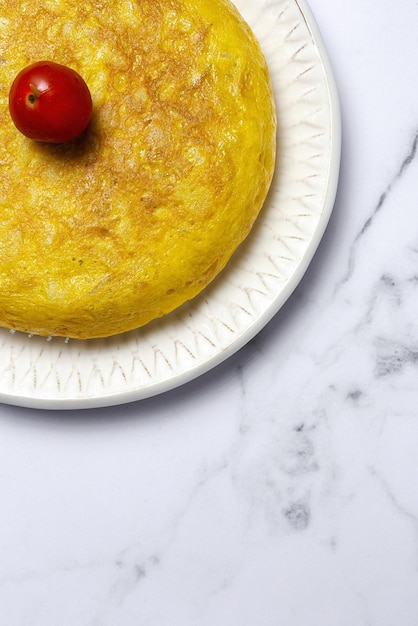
{"x":120,"y":227}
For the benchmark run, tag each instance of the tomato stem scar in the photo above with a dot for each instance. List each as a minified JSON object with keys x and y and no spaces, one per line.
{"x":35,"y":91}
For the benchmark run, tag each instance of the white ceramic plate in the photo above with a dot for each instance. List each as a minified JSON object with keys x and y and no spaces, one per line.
{"x":59,"y":374}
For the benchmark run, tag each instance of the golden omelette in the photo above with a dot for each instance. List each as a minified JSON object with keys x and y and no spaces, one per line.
{"x":103,"y":234}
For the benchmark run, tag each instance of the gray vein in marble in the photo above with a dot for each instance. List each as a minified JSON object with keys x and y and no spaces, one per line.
{"x":31,"y":574}
{"x":407,"y":161}
{"x":129,"y":568}
{"x":387,"y":287}
{"x":131,"y":572}
{"x":406,"y":514}
{"x":298,"y":514}
{"x":354,"y":395}
{"x":392,"y":357}
{"x":279,"y":483}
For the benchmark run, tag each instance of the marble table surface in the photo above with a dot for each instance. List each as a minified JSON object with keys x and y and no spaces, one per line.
{"x":280,"y":488}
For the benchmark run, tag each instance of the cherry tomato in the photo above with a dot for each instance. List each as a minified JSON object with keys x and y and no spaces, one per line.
{"x":50,"y":102}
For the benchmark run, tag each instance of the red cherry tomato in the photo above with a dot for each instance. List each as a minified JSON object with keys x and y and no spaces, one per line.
{"x":50,"y":102}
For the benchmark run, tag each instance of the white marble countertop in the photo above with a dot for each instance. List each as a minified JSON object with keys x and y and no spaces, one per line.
{"x":279,"y":488}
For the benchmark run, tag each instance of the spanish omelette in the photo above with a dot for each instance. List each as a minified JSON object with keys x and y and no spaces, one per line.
{"x":104,"y":234}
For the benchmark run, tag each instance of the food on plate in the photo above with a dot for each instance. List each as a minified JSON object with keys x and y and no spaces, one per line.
{"x":106,"y":231}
